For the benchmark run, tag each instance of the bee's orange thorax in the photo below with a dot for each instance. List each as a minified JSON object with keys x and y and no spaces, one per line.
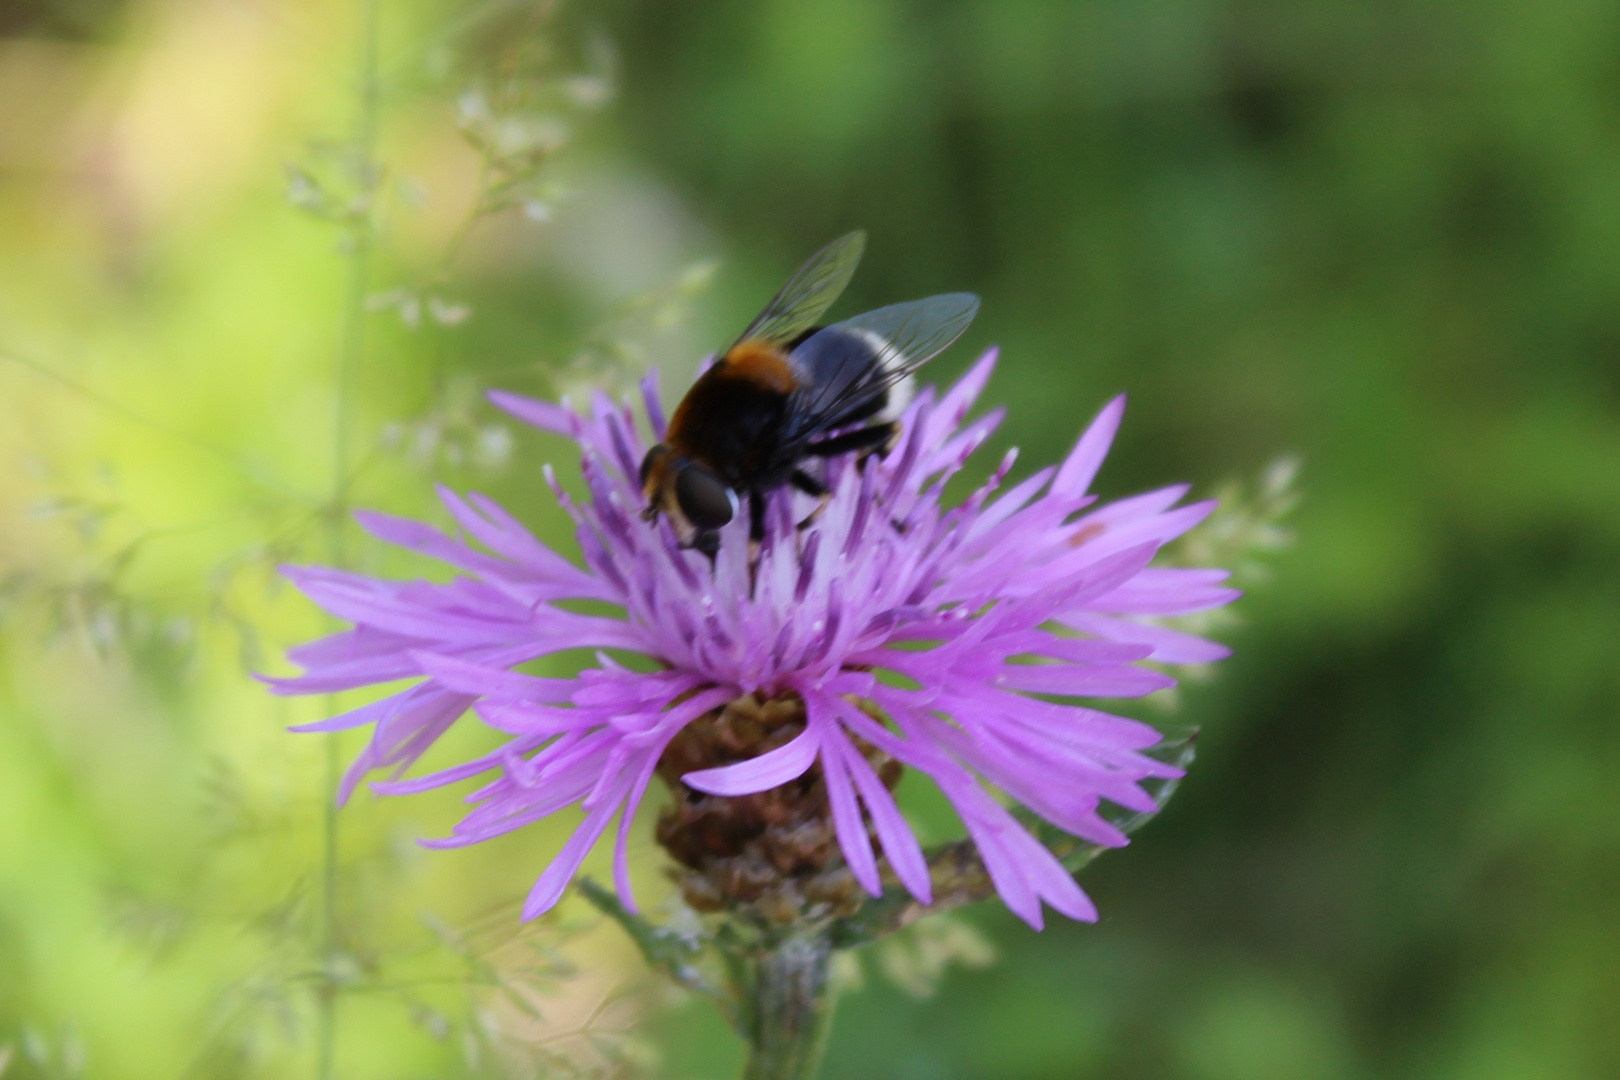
{"x":730,"y":405}
{"x":760,"y":364}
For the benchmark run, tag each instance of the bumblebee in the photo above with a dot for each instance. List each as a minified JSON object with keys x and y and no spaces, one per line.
{"x":788,"y":391}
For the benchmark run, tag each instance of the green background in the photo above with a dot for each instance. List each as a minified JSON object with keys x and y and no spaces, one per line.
{"x":1383,"y":237}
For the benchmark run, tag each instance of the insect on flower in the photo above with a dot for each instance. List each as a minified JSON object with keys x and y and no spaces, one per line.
{"x":788,"y":391}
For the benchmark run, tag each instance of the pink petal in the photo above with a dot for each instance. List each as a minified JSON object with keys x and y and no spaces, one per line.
{"x":653,"y":404}
{"x":1169,"y":646}
{"x":621,"y":857}
{"x":542,"y":414}
{"x":1083,"y":680}
{"x":771,"y":769}
{"x":365,"y":714}
{"x":470,"y":678}
{"x":1080,"y":467}
{"x":426,"y":540}
{"x":894,"y":833}
{"x":847,"y":822}
{"x":954,"y":406}
{"x":1144,"y":505}
{"x":1160,"y":529}
{"x":549,"y":889}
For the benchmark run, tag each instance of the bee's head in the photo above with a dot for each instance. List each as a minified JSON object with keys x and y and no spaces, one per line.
{"x":693,"y":495}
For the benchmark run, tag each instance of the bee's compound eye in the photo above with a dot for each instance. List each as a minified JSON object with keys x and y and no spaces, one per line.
{"x":705,"y":499}
{"x":651,"y":460}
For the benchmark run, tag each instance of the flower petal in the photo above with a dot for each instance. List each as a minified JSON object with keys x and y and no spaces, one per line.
{"x":1169,"y":646}
{"x":899,"y":842}
{"x":557,"y":419}
{"x":470,"y":678}
{"x":1083,"y":680}
{"x":1079,"y":469}
{"x":771,"y":769}
{"x":549,"y":888}
{"x":848,"y":824}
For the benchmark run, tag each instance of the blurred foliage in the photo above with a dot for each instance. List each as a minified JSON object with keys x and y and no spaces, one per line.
{"x":1381,"y":236}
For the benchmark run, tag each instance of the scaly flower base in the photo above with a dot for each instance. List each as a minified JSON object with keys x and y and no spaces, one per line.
{"x":772,"y":852}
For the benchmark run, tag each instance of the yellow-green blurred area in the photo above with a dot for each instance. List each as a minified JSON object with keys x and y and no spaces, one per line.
{"x":1383,"y":236}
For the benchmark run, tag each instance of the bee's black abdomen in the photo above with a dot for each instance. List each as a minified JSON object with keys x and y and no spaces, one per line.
{"x":843,"y":375}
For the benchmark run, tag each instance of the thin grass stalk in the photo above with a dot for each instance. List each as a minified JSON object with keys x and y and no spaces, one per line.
{"x":350,"y":349}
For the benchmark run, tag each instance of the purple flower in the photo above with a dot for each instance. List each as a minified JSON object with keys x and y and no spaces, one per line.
{"x":948,"y":621}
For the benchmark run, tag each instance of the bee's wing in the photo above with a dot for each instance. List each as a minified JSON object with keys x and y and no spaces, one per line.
{"x":843,"y":377}
{"x":809,"y":293}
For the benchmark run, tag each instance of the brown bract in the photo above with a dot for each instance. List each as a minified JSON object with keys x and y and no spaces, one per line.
{"x":775,"y":851}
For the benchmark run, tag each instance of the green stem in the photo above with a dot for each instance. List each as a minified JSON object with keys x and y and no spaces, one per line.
{"x":350,"y":350}
{"x":791,"y":1009}
{"x":326,"y":994}
{"x":354,"y":311}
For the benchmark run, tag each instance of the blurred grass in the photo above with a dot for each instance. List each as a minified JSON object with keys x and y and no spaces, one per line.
{"x":1382,"y":236}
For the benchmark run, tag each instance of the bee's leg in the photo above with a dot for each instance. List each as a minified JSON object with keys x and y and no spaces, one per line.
{"x":709,"y":544}
{"x":757,"y":505}
{"x":877,"y":439}
{"x":756,"y":517}
{"x":808,"y":484}
{"x":866,"y":438}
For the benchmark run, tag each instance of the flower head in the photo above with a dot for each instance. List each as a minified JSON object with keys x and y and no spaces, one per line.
{"x":900,"y":631}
